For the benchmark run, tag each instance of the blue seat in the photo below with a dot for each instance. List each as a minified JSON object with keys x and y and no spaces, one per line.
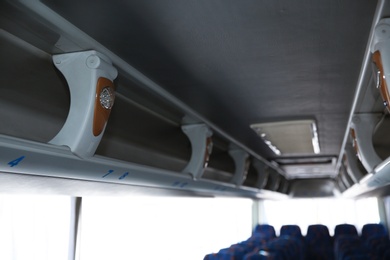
{"x":257,"y":240}
{"x":239,"y":250}
{"x":236,"y":251}
{"x":345,"y":229}
{"x":264,"y":255}
{"x":349,"y":246}
{"x":212,"y":256}
{"x":285,"y":247}
{"x":265,"y":230}
{"x":295,"y":232}
{"x":319,"y":243}
{"x":373,"y":229}
{"x":291,"y":230}
{"x":357,"y":257}
{"x":378,"y":245}
{"x":386,"y":255}
{"x":318,"y":234}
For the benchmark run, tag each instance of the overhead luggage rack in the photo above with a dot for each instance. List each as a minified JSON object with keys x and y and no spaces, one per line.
{"x":364,"y":124}
{"x":179,"y":156}
{"x":174,"y":124}
{"x":32,"y":158}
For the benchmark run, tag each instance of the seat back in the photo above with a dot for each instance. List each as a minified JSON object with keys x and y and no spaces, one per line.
{"x":291,"y":230}
{"x":265,"y":230}
{"x":319,"y":244}
{"x":345,"y":229}
{"x":347,"y":245}
{"x":318,"y":233}
{"x":372,"y":229}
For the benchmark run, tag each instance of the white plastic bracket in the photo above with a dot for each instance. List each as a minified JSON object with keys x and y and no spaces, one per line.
{"x":382,"y":37}
{"x":90,"y":78}
{"x":241,"y":162}
{"x":364,"y":126}
{"x":202,"y":145}
{"x":352,"y":163}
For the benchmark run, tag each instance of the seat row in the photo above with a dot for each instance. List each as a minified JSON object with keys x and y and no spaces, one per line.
{"x":373,"y":243}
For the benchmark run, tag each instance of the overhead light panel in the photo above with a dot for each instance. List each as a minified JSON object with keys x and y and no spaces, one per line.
{"x":289,"y":137}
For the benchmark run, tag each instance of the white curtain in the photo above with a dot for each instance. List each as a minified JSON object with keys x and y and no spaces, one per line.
{"x":163,"y":228}
{"x":34,"y":227}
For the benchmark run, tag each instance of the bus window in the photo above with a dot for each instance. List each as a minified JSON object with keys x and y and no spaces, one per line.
{"x":165,"y":228}
{"x":34,"y":227}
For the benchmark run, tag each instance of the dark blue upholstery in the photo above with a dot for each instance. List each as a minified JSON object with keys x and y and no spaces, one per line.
{"x":358,"y":257}
{"x":345,"y":229}
{"x":285,"y":247}
{"x":294,"y":231}
{"x":378,"y":245}
{"x":349,"y":246}
{"x":291,"y":230}
{"x":212,"y":257}
{"x":373,"y":244}
{"x":386,"y":255}
{"x":232,"y":253}
{"x":319,"y":243}
{"x":257,"y":239}
{"x":265,"y":230}
{"x":239,"y":250}
{"x":372,"y":229}
{"x":264,"y":255}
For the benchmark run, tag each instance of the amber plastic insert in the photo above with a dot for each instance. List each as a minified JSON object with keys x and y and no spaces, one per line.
{"x":376,"y":57}
{"x":101,"y":114}
{"x":354,"y":143}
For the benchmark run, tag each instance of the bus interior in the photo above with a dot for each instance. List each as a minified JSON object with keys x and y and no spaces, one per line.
{"x":169,"y":130}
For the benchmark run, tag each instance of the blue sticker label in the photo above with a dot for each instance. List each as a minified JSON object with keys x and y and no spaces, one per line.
{"x":108,"y":173}
{"x":179,"y":184}
{"x":16,"y":161}
{"x":176,"y":183}
{"x":124,"y":176}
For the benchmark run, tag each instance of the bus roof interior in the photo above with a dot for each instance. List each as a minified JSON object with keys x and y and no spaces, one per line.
{"x":280,"y":96}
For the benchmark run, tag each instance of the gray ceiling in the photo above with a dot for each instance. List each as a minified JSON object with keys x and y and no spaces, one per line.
{"x":235,"y":63}
{"x":242,"y":62}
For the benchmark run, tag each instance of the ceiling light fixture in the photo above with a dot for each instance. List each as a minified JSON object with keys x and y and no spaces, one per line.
{"x":289,"y":137}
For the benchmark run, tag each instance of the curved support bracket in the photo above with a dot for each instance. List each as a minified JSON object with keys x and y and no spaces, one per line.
{"x":340,"y":184}
{"x":262,"y":174}
{"x":352,"y":164}
{"x":202,"y":145}
{"x":364,"y":126}
{"x":90,"y":78}
{"x":241,"y":162}
{"x":273,"y":180}
{"x":381,"y":57}
{"x":381,"y":36}
{"x":345,"y":178}
{"x":284,"y":185}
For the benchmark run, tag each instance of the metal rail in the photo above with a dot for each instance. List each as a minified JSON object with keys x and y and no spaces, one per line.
{"x":27,"y":157}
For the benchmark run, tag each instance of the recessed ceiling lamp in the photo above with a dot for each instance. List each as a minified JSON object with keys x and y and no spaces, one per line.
{"x":289,"y":137}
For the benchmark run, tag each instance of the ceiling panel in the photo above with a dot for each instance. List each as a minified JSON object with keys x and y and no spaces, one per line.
{"x":242,"y":62}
